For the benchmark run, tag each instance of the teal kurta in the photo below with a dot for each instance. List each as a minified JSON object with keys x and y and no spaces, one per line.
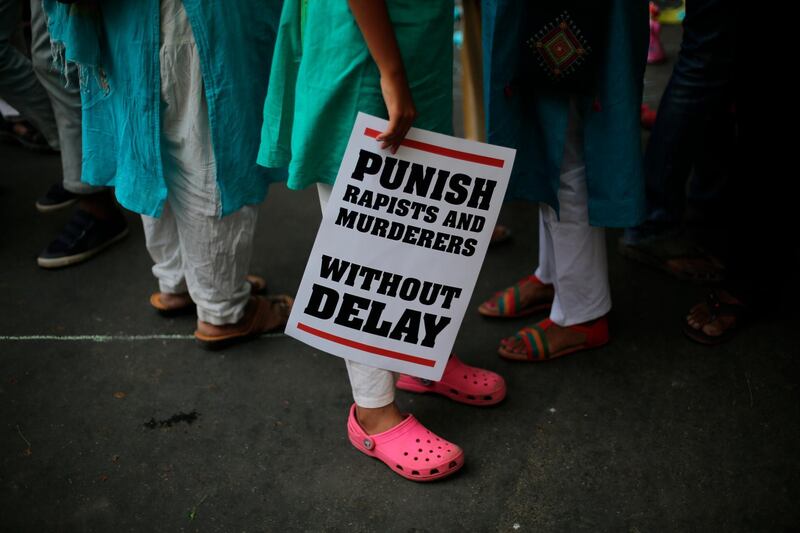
{"x":535,"y":123}
{"x":321,"y":79}
{"x":118,"y":48}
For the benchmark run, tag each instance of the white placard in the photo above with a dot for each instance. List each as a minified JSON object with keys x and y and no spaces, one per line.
{"x":399,"y":249}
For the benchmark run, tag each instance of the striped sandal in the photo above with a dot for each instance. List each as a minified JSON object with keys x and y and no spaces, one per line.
{"x":508,"y":302}
{"x":533,"y":341}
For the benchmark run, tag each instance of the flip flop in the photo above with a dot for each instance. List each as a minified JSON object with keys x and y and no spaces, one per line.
{"x":716,"y":309}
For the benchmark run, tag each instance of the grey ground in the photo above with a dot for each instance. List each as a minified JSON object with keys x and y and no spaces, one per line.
{"x":651,"y":433}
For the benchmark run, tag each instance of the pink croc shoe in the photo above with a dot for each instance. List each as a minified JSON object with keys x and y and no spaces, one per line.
{"x":655,"y":52}
{"x":408,"y":448}
{"x":460,"y":382}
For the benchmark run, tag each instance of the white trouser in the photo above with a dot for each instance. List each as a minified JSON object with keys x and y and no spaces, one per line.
{"x":572,"y":254}
{"x":193,"y":248}
{"x":372,"y":387}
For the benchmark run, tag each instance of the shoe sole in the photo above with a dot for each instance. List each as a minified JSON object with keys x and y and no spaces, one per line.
{"x":218,"y":343}
{"x":232,"y":340}
{"x":227,"y":342}
{"x":49,"y":208}
{"x":509,"y":356}
{"x":708,"y":340}
{"x":61,"y":262}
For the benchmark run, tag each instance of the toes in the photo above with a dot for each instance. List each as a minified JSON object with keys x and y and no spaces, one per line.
{"x":488,"y":306}
{"x":698,"y":308}
{"x":713,"y":329}
{"x":509,"y":341}
{"x":514,"y":348}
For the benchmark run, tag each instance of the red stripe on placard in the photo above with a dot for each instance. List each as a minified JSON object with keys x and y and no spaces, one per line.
{"x":365,"y":347}
{"x":441,"y":150}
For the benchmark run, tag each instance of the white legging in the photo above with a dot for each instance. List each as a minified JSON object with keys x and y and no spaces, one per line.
{"x":372,"y":387}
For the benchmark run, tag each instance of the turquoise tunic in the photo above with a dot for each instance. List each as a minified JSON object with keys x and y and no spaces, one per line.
{"x":118,"y":49}
{"x":321,"y":81}
{"x":535,"y":124}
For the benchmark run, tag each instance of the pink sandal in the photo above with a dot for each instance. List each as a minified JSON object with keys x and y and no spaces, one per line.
{"x":461,"y":383}
{"x":408,"y":448}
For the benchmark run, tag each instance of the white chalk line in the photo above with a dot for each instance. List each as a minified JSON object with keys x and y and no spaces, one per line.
{"x":109,"y":338}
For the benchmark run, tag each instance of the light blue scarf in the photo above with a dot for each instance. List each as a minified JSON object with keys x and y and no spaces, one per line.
{"x":75,"y":34}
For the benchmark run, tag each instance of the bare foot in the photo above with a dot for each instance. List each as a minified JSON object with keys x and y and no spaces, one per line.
{"x":102,"y":205}
{"x":379,"y":419}
{"x":700,"y":316}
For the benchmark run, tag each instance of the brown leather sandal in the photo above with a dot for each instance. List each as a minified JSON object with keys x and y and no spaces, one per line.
{"x":264,"y":314}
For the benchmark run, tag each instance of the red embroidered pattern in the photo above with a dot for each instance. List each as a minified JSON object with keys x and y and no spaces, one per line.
{"x":559,"y":47}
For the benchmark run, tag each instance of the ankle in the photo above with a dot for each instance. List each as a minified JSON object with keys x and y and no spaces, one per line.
{"x":378,"y":420}
{"x":207,"y":328}
{"x":101,"y":205}
{"x":537,"y":290}
{"x":175,"y":298}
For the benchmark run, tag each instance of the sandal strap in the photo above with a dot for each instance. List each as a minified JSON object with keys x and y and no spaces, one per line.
{"x":535,"y":342}
{"x":718,"y":308}
{"x":509,"y":300}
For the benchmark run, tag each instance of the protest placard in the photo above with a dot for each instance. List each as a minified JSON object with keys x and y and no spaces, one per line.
{"x":399,"y":249}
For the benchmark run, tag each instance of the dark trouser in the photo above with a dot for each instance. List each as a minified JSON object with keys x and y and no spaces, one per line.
{"x":694,"y":128}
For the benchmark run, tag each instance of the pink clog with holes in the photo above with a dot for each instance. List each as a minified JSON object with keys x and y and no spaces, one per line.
{"x":409,"y":449}
{"x":462,"y":383}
